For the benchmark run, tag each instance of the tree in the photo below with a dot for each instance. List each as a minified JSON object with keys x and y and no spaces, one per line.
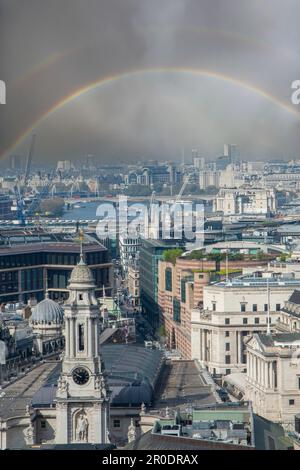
{"x":172,"y":255}
{"x":138,"y":190}
{"x":161,"y":334}
{"x":52,"y":207}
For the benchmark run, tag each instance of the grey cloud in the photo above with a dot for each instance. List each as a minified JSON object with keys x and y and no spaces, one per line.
{"x":154,"y":115}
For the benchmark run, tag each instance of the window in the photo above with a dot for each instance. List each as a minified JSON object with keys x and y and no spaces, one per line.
{"x":291,"y":402}
{"x":227,"y":359}
{"x":227,"y":333}
{"x":266,"y":307}
{"x":214,"y":306}
{"x":43,"y":424}
{"x":182,"y":290}
{"x":228,"y":371}
{"x":254,"y":308}
{"x":168,"y":279}
{"x":245,"y":321}
{"x":256,"y":320}
{"x":243,"y":307}
{"x":227,"y":321}
{"x":299,"y":383}
{"x":80,"y":297}
{"x":227,"y":346}
{"x":176,"y":310}
{"x":278,"y":307}
{"x":80,"y":337}
{"x":117,"y":423}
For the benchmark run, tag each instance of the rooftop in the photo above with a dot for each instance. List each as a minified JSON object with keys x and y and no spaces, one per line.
{"x":219,"y":426}
{"x":280,"y":339}
{"x":295,"y":297}
{"x":259,"y":281}
{"x":27,"y":241}
{"x":181,"y":384}
{"x":132,"y":374}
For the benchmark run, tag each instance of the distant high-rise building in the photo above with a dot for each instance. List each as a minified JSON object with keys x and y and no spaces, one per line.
{"x":64,"y":165}
{"x":15,"y":162}
{"x":230,"y":150}
{"x":198,"y":162}
{"x":90,"y":162}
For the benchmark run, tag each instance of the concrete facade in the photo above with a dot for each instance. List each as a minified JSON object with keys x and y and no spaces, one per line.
{"x":231,"y":311}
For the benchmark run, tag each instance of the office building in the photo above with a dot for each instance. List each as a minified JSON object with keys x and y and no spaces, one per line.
{"x":150,"y":253}
{"x":232,"y":310}
{"x":33,"y":262}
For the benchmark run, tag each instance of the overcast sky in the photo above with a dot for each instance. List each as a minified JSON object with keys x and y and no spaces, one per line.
{"x":157,"y":106}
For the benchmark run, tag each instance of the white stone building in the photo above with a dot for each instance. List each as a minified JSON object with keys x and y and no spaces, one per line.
{"x":134,"y":284}
{"x":209,"y":178}
{"x":252,"y":201}
{"x":273,"y":376}
{"x":68,"y":400}
{"x":273,"y":367}
{"x":129,"y":247}
{"x":47,"y":325}
{"x":231,"y":311}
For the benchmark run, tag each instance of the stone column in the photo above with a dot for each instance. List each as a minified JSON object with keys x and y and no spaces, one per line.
{"x":266,"y":375}
{"x":201,"y":344}
{"x":89,"y":325}
{"x":239,"y":348}
{"x":256,"y":369}
{"x":67,"y":335}
{"x":72,"y":338}
{"x":249,"y":365}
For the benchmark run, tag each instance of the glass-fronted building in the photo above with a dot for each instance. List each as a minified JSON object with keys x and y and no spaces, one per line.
{"x":151,"y":253}
{"x":28,"y":269}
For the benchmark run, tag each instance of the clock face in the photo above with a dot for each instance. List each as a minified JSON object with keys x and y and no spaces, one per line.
{"x":80,"y":376}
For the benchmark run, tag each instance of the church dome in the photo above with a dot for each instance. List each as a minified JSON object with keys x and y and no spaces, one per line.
{"x":81,"y":274}
{"x":47,"y":311}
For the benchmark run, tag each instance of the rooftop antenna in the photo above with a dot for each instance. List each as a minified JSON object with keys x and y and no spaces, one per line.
{"x":268,"y":312}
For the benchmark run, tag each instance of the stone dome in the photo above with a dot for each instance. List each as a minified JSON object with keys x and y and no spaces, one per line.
{"x":47,"y":311}
{"x":81,"y":274}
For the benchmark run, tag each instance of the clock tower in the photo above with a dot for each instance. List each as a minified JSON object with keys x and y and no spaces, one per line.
{"x":82,"y":401}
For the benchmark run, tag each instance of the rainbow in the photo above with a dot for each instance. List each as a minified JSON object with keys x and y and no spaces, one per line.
{"x":144,"y":72}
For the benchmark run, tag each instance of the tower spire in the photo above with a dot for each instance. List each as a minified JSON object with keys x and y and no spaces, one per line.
{"x":81,"y":238}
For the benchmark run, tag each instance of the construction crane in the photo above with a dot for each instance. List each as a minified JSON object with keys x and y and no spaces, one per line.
{"x":29,"y":159}
{"x":31,"y":211}
{"x":20,"y":205}
{"x":185,"y":183}
{"x":152,"y":198}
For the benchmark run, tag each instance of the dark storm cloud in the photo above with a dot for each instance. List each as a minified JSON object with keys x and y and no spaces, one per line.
{"x":50,"y":48}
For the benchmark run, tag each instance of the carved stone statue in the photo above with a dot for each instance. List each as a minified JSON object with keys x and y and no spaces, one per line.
{"x":82,"y":428}
{"x":143,"y":409}
{"x":132,"y":432}
{"x":62,"y":385}
{"x":29,"y":435}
